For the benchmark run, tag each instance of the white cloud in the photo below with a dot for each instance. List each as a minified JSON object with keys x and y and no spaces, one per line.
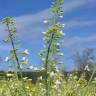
{"x":3,"y":33}
{"x":4,"y":47}
{"x":73,"y":4}
{"x":75,"y":41}
{"x":25,"y":20}
{"x":25,"y":24}
{"x":80,"y":23}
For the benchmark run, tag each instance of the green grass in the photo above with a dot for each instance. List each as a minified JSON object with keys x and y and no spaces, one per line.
{"x":60,"y":86}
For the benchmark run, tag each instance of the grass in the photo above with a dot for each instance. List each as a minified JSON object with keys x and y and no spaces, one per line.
{"x":61,"y":85}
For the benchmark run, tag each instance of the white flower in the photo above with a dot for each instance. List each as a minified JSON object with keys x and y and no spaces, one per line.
{"x":61,"y":16}
{"x":60,"y":54}
{"x":62,"y":33}
{"x":44,"y":33}
{"x":7,"y":59}
{"x":25,"y":52}
{"x":52,"y":74}
{"x":63,"y":25}
{"x":46,"y":21}
{"x":56,"y":68}
{"x":31,"y":67}
{"x":9,"y":75}
{"x":57,"y":82}
{"x":29,"y":79}
{"x":87,"y":68}
{"x":57,"y":44}
{"x":23,"y":58}
{"x":40,"y":77}
{"x":27,"y":87}
{"x":40,"y":84}
{"x":35,"y":68}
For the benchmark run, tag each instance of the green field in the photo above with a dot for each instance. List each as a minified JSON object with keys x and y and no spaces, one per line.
{"x":61,"y":85}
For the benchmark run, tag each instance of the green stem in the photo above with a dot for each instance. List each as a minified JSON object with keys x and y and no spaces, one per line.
{"x":46,"y":66}
{"x":47,"y":80}
{"x":17,"y":60}
{"x":14,"y":50}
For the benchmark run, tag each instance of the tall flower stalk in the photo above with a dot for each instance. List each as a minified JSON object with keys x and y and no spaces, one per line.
{"x":8,"y":21}
{"x":51,"y":38}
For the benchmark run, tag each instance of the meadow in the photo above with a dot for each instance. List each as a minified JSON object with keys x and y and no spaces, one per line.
{"x":61,"y":85}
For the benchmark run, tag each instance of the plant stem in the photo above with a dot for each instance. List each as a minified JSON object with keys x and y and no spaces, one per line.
{"x":14,"y":50}
{"x":17,"y":60}
{"x":47,"y":59}
{"x":46,"y":66}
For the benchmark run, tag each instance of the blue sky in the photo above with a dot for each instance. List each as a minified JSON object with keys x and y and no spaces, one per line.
{"x":79,"y":20}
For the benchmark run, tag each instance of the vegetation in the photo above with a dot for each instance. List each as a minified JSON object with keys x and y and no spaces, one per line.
{"x":49,"y":80}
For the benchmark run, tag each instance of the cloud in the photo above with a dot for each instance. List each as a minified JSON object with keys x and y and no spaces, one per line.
{"x":3,"y":33}
{"x":80,"y":23}
{"x":4,"y":48}
{"x":74,"y":4}
{"x":75,"y":41}
{"x":30,"y":25}
{"x":25,"y":22}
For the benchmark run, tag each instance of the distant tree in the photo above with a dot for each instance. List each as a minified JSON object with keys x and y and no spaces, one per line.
{"x":0,"y":59}
{"x":85,"y":60}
